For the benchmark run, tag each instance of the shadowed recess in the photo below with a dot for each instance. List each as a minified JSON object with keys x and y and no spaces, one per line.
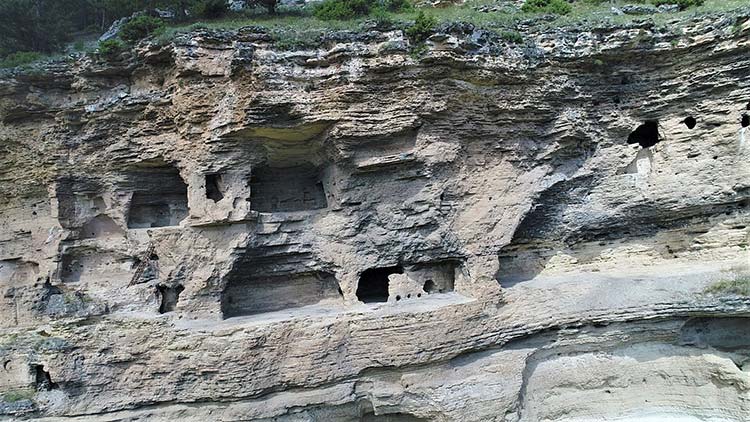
{"x":645,"y":135}
{"x":373,"y":283}
{"x":214,"y":187}
{"x":285,"y":189}
{"x":248,"y":294}
{"x":169,"y":297}
{"x":159,"y":198}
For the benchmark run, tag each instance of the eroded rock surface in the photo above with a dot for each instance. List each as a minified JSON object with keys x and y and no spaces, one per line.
{"x":217,"y":229}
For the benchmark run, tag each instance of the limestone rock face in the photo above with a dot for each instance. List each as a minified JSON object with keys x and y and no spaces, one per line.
{"x":221,"y":230}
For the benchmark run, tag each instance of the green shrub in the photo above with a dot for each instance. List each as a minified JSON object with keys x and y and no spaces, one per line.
{"x":139,"y":28}
{"x":270,"y":5}
{"x":20,"y":58}
{"x":381,"y":17}
{"x":684,"y":4}
{"x":210,"y":9}
{"x":110,"y":48}
{"x":342,"y":9}
{"x":423,"y":27}
{"x":514,"y":37}
{"x":739,"y":286}
{"x":13,"y":396}
{"x":398,"y":5}
{"x":558,"y":7}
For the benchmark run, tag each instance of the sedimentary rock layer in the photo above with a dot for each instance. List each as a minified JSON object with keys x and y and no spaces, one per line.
{"x":218,"y":229}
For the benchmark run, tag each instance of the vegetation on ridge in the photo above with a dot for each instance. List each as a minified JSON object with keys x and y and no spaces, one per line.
{"x":30,"y":29}
{"x":739,"y":286}
{"x":560,"y":7}
{"x":14,"y":396}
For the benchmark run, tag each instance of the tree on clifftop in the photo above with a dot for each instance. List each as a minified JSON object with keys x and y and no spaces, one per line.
{"x":33,"y":25}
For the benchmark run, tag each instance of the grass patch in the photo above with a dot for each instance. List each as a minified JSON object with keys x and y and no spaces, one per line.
{"x":683,"y":4}
{"x":514,"y":37}
{"x":739,"y":286}
{"x":13,"y":396}
{"x":292,"y":30}
{"x":20,"y":58}
{"x":558,"y":7}
{"x":139,"y":28}
{"x":329,"y":10}
{"x":299,"y":27}
{"x":35,"y":341}
{"x":110,"y":48}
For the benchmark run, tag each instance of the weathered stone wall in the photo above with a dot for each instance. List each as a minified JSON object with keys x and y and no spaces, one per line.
{"x":185,"y":231}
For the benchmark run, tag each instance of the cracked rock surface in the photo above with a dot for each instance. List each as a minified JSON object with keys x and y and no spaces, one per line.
{"x":220,"y":230}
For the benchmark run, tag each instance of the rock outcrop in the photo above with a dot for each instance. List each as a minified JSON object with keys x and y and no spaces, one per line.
{"x":219,"y":229}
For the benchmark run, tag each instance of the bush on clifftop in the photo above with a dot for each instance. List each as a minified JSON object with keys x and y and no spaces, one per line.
{"x":139,"y":28}
{"x":558,"y":7}
{"x":351,"y":9}
{"x":210,"y":9}
{"x":424,"y":26}
{"x":20,"y":58}
{"x":110,"y":48}
{"x":342,"y":9}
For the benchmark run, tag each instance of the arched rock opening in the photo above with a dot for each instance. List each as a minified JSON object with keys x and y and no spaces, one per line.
{"x":169,"y":297}
{"x":101,"y":226}
{"x":42,"y":379}
{"x":285,"y":189}
{"x":249,"y":294}
{"x":373,"y":283}
{"x":429,"y":287}
{"x":690,"y":122}
{"x":214,"y":187}
{"x":645,"y":135}
{"x":159,"y":197}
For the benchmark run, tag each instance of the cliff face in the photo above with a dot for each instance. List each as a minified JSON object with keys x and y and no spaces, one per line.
{"x":217,"y":229}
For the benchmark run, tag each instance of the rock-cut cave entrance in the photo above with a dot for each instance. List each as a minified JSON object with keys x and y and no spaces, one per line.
{"x":289,"y":188}
{"x":249,"y":294}
{"x":159,"y":197}
{"x":214,"y":187}
{"x":169,"y":296}
{"x":373,"y":283}
{"x":430,"y":287}
{"x":645,"y":135}
{"x":42,"y":379}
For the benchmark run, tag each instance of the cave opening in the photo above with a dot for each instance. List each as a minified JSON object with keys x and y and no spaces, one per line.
{"x":71,"y":268}
{"x":390,"y":417}
{"x":373,"y":283}
{"x":159,"y":198}
{"x":247,"y":293}
{"x":100,"y":226}
{"x":690,"y":122}
{"x":745,"y":120}
{"x":169,"y":297}
{"x":285,"y":189}
{"x":366,"y":413}
{"x":42,"y":379}
{"x":429,"y":287}
{"x":214,"y":187}
{"x":646,"y":135}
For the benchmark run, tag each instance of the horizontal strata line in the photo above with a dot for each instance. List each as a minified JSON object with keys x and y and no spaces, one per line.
{"x":494,"y":340}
